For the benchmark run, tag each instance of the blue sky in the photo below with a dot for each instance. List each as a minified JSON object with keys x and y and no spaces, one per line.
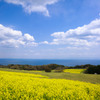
{"x":50,"y":29}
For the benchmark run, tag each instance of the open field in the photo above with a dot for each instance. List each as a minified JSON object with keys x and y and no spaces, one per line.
{"x":27,"y":86}
{"x":65,"y":75}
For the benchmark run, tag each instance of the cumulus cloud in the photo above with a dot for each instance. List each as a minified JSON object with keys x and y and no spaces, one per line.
{"x":28,"y":37}
{"x":14,"y":38}
{"x":34,"y":5}
{"x":87,"y":35}
{"x":44,"y":42}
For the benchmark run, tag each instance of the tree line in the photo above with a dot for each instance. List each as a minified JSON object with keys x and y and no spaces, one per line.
{"x":90,"y":69}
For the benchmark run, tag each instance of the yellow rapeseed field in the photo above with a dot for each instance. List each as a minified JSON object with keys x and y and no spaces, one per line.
{"x":24,"y":86}
{"x":78,"y":71}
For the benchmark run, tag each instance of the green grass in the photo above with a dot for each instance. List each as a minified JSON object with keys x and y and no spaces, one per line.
{"x":64,"y":75}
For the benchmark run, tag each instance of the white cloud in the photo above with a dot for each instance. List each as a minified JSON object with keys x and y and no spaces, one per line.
{"x":28,"y":37}
{"x":58,"y":34}
{"x":87,"y":35}
{"x":44,"y":42}
{"x":12,"y":43}
{"x":6,"y":32}
{"x":34,"y":5}
{"x":14,"y":38}
{"x":31,"y":44}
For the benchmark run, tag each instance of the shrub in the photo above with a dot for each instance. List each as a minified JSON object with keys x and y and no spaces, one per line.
{"x":47,"y":69}
{"x":59,"y":69}
{"x":54,"y":66}
{"x":93,"y":69}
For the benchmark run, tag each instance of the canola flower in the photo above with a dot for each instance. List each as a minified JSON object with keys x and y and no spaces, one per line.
{"x":78,"y":71}
{"x":24,"y":86}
